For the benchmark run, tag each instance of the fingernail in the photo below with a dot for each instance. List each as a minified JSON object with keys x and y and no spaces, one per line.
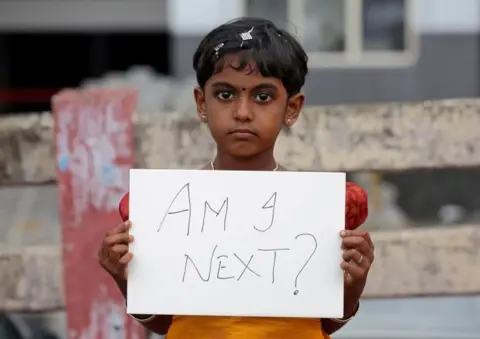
{"x":343,"y":233}
{"x":128,"y":223}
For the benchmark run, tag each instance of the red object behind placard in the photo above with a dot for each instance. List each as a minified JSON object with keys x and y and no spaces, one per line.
{"x":356,"y":206}
{"x":94,"y":152}
{"x":124,"y":207}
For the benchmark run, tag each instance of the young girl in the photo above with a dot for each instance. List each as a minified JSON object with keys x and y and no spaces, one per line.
{"x":250,"y":74}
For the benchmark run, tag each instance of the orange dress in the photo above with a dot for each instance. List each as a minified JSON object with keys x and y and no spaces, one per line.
{"x":190,"y":327}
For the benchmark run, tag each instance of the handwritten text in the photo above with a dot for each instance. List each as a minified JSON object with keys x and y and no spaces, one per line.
{"x":224,"y":265}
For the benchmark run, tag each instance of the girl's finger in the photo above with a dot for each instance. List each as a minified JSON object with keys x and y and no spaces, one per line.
{"x":355,"y":271}
{"x":348,"y":279}
{"x":120,"y":249}
{"x":358,"y":243}
{"x":124,"y":260}
{"x":119,"y":238}
{"x":359,"y":232}
{"x":123,"y":227}
{"x":353,"y":255}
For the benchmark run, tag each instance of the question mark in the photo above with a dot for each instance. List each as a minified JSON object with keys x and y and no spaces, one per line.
{"x":306,"y":262}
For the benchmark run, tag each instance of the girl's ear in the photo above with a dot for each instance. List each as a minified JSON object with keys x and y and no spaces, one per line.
{"x":294,"y":107}
{"x":199,"y":96}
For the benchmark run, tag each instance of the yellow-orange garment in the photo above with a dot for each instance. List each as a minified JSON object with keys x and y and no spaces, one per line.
{"x":190,"y":327}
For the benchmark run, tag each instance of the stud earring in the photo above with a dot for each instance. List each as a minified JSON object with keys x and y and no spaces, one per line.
{"x":204,"y":118}
{"x":289,"y":122}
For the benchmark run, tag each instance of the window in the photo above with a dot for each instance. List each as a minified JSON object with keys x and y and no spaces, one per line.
{"x":372,"y":33}
{"x":383,"y":25}
{"x":274,"y":10}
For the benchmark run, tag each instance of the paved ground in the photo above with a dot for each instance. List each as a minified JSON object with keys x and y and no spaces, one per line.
{"x":420,"y":318}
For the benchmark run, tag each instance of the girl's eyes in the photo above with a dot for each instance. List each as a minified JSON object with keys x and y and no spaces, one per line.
{"x":225,"y":96}
{"x":259,"y":97}
{"x":263,"y":97}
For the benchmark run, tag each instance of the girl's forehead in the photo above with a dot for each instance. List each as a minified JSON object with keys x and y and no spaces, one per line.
{"x":242,"y":78}
{"x":245,"y":77}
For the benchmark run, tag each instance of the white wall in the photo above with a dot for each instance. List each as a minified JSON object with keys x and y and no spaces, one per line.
{"x":82,"y":14}
{"x":197,"y":17}
{"x":447,"y":16}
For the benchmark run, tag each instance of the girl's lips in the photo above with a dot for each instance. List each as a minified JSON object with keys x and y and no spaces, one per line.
{"x":242,"y":134}
{"x":241,"y":131}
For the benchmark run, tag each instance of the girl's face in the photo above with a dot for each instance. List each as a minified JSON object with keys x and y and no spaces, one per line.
{"x":245,"y":111}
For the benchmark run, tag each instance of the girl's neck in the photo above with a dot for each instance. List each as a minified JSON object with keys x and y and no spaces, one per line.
{"x":262,"y":162}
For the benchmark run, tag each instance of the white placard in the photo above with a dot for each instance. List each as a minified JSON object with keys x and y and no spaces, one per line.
{"x":236,"y":243}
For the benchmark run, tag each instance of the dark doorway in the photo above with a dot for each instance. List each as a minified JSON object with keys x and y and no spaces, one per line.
{"x":32,"y":65}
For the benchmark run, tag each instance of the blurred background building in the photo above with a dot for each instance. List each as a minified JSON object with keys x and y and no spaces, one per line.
{"x":361,"y":51}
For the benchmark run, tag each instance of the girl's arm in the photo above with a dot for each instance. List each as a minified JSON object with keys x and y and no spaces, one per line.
{"x":158,"y":324}
{"x":331,"y":326}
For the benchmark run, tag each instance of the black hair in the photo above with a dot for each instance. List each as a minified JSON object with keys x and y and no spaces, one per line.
{"x":275,"y":52}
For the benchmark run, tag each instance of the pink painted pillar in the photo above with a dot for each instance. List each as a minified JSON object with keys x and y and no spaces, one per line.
{"x":94,"y":145}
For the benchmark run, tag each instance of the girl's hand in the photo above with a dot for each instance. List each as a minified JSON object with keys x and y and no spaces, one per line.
{"x":113,"y":254}
{"x":358,"y":257}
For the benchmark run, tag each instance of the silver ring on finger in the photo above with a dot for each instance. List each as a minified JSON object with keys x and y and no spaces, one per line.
{"x":359,"y":261}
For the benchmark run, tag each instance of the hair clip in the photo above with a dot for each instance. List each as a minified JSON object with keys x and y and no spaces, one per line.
{"x":217,"y":48}
{"x":246,"y":36}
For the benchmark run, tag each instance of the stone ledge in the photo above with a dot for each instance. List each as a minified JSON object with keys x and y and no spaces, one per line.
{"x":413,"y":262}
{"x":426,"y":261}
{"x":390,"y":136}
{"x":31,"y":278}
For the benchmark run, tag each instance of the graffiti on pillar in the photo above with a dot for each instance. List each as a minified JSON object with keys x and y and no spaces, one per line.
{"x":94,"y":152}
{"x":107,"y":320}
{"x":89,"y":144}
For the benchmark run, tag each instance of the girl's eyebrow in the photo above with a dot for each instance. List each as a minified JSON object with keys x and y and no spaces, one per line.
{"x":224,"y":84}
{"x":266,"y":86}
